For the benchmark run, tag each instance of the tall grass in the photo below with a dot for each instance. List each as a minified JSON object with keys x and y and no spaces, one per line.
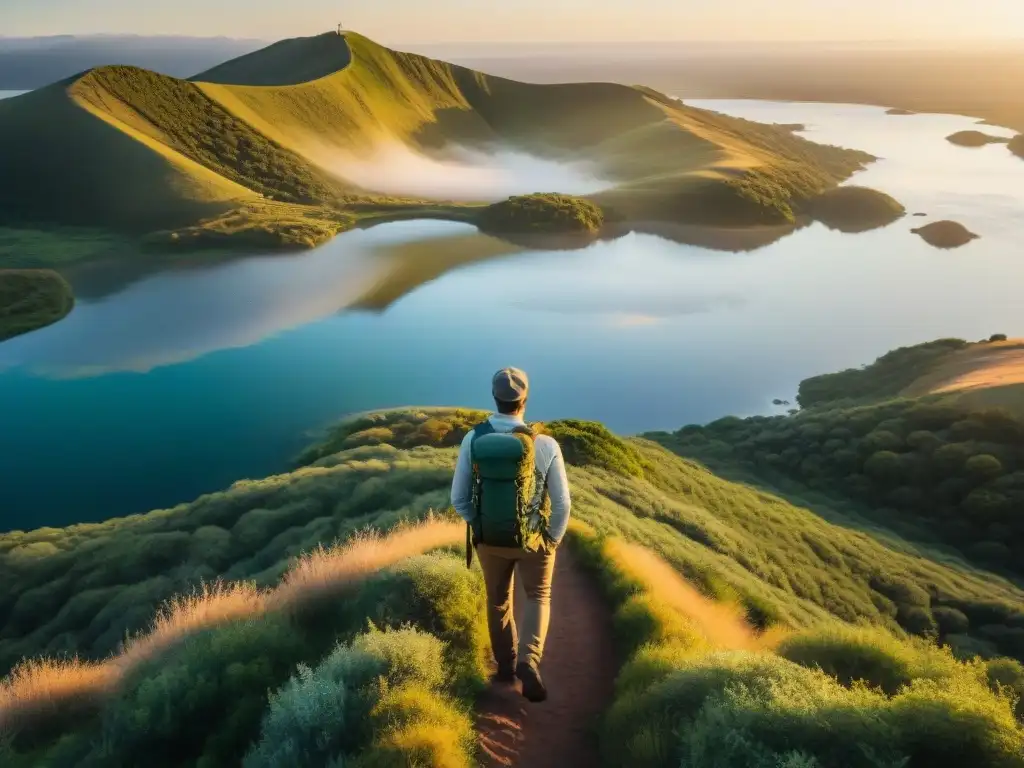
{"x":701,"y":690}
{"x":721,"y":624}
{"x":326,"y":571}
{"x":38,"y":689}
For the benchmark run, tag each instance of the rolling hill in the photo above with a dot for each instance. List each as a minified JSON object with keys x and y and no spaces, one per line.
{"x":267,"y":136}
{"x":746,"y":625}
{"x":930,"y":438}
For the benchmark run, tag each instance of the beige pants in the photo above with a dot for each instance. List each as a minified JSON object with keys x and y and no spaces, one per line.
{"x":534,"y":571}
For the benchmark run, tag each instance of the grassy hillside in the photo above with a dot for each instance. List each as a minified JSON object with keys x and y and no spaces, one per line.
{"x":31,"y":299}
{"x":288,"y":62}
{"x":980,"y":374}
{"x":194,"y":686}
{"x":914,"y":437}
{"x":281,"y":123}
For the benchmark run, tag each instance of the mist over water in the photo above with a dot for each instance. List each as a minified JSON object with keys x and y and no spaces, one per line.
{"x":464,"y":173}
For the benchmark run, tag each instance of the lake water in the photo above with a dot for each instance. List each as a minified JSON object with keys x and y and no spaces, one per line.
{"x":155,"y":391}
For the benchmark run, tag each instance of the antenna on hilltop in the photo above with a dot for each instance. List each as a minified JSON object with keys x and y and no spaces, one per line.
{"x":340,"y":29}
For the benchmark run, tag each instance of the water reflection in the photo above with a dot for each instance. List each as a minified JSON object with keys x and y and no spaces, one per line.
{"x":245,"y":357}
{"x":178,"y":315}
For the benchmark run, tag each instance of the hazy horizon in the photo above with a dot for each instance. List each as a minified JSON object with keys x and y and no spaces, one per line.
{"x":453,"y":21}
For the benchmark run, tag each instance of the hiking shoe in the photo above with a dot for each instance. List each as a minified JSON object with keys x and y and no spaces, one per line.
{"x":506,"y":675}
{"x":533,"y":686}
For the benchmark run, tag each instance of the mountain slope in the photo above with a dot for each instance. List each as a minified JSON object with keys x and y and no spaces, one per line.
{"x":915,"y":437}
{"x":194,"y":688}
{"x":128,"y":148}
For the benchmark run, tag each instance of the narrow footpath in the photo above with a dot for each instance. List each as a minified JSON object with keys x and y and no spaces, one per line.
{"x":579,"y":670}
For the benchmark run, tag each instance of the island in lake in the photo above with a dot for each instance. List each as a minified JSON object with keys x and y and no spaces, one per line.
{"x":975,"y":139}
{"x":945,"y":234}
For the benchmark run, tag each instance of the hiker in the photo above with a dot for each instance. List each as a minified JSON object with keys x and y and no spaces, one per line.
{"x":510,"y":488}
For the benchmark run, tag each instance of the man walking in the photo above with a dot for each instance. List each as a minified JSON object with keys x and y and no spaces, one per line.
{"x":511,"y":489}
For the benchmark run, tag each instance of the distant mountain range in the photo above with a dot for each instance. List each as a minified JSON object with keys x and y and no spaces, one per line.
{"x":27,"y":63}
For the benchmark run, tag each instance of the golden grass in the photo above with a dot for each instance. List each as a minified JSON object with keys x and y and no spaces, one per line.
{"x":212,"y":605}
{"x":724,"y":625}
{"x":43,"y":688}
{"x":187,"y":177}
{"x":325,"y":572}
{"x":980,"y":365}
{"x":989,"y":375}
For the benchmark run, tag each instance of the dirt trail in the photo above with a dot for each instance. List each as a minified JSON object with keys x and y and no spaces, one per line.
{"x":580,"y":666}
{"x":579,"y":670}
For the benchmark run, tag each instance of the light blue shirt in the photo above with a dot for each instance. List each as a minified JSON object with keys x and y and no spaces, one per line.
{"x":548,"y":460}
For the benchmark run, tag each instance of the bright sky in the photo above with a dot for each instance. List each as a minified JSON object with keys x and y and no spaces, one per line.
{"x":427,"y":21}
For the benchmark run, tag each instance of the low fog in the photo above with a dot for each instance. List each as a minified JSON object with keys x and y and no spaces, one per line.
{"x":464,"y":174}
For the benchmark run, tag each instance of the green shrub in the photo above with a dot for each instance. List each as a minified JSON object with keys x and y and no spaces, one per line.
{"x":951,"y":621}
{"x":543,"y":214}
{"x":1008,"y":675}
{"x":869,"y":656}
{"x":400,"y":429}
{"x":984,"y":467}
{"x":203,"y":700}
{"x":587,"y":443}
{"x":324,"y":716}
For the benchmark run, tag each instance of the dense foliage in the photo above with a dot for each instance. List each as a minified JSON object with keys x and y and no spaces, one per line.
{"x":399,"y":694}
{"x":887,"y":377}
{"x":31,"y":299}
{"x":259,"y":226}
{"x":829,"y":696}
{"x":957,"y":472}
{"x":543,"y":214}
{"x":264,"y":687}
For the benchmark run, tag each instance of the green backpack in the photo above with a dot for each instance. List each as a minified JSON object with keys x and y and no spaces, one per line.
{"x":507,"y":489}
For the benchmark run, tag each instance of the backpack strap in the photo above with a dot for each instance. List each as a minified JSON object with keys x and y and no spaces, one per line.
{"x":473,"y":531}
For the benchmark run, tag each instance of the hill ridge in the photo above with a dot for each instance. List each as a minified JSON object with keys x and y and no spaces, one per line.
{"x":280,"y":125}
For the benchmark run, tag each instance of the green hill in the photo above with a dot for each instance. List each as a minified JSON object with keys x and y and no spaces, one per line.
{"x":373,"y":652}
{"x":928,"y":438}
{"x":31,"y":299}
{"x":132,"y":150}
{"x":288,"y":62}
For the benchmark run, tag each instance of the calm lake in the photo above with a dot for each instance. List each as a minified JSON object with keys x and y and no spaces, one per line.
{"x":157,"y":390}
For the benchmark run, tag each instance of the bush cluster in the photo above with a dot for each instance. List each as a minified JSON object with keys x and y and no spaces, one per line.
{"x":830,"y":696}
{"x":79,"y":590}
{"x":543,"y":214}
{"x":957,"y":471}
{"x":401,"y":691}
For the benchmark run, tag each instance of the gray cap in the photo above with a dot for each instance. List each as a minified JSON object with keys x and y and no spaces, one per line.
{"x":510,"y":385}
